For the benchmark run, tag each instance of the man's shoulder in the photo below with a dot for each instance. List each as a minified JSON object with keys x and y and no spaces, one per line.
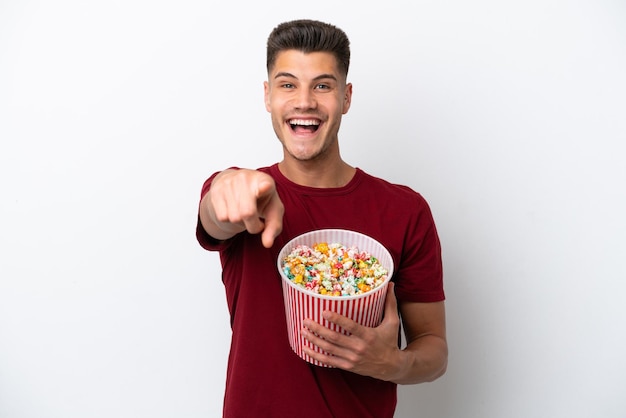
{"x":381,"y":185}
{"x":269,"y":169}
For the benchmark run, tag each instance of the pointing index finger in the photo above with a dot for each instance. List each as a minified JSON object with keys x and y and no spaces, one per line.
{"x":271,"y":210}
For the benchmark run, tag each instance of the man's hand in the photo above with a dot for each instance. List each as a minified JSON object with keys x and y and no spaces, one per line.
{"x":366,"y":351}
{"x":242,"y":200}
{"x":374,"y":351}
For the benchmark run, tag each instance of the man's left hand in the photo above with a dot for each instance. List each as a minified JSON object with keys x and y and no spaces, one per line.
{"x":367,"y":351}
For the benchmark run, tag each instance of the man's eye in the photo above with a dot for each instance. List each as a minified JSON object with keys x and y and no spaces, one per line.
{"x":287,"y":85}
{"x":322,"y":87}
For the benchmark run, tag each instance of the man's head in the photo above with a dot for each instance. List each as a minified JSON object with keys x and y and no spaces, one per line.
{"x":309,"y":36}
{"x":306,"y":92}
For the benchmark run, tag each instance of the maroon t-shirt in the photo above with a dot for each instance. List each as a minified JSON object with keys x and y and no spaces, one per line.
{"x":265,"y":377}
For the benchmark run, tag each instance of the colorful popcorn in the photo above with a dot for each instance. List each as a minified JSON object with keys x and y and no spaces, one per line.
{"x":333,"y":269}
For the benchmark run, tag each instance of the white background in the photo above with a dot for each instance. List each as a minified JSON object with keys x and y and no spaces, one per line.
{"x":509,"y":117}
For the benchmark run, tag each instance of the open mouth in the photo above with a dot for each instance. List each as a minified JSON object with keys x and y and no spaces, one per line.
{"x":304,"y":125}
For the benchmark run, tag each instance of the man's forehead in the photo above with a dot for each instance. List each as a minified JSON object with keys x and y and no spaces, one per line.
{"x":305,"y":63}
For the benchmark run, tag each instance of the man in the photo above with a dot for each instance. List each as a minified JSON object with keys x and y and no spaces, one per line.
{"x":248,"y":215}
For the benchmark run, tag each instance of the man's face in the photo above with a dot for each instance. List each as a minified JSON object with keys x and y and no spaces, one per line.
{"x":307,"y":95}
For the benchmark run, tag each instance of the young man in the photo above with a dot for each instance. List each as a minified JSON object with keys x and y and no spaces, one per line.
{"x":248,"y":215}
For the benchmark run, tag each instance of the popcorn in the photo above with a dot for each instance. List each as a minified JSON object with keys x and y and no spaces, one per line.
{"x":333,"y":269}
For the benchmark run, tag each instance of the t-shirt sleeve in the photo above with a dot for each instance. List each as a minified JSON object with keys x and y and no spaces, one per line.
{"x":420,"y":276}
{"x":204,"y":239}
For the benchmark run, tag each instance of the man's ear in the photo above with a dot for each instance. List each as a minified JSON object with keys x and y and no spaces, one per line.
{"x":347,"y":99}
{"x":266,"y":95}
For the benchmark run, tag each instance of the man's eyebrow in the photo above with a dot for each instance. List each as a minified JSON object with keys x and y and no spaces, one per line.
{"x":284,"y":74}
{"x":319,"y":77}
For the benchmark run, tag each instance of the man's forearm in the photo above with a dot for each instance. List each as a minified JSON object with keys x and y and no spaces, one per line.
{"x":425,"y":359}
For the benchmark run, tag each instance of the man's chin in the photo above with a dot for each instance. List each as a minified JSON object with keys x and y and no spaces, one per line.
{"x":303,"y":153}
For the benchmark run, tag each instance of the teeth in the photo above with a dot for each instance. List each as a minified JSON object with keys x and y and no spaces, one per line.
{"x":304,"y":122}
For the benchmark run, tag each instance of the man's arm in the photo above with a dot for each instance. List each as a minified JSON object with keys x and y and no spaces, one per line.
{"x":426,"y":353}
{"x":374,"y":351}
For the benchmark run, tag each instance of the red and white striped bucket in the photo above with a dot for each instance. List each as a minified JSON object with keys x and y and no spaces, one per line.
{"x":366,"y":308}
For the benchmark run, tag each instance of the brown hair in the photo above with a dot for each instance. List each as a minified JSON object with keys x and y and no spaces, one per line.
{"x":309,"y":36}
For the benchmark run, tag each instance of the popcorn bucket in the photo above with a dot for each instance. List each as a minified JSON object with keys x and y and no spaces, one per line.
{"x":300,"y":303}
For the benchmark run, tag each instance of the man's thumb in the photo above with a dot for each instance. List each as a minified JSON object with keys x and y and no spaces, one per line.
{"x":263,"y":188}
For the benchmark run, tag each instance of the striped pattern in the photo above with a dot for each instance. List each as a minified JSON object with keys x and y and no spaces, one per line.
{"x":366,"y":308}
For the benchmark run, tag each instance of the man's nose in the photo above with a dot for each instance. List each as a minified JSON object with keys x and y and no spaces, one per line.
{"x":305,"y":99}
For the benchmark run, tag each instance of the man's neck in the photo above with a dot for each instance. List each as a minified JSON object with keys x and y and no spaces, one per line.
{"x":314,"y":174}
